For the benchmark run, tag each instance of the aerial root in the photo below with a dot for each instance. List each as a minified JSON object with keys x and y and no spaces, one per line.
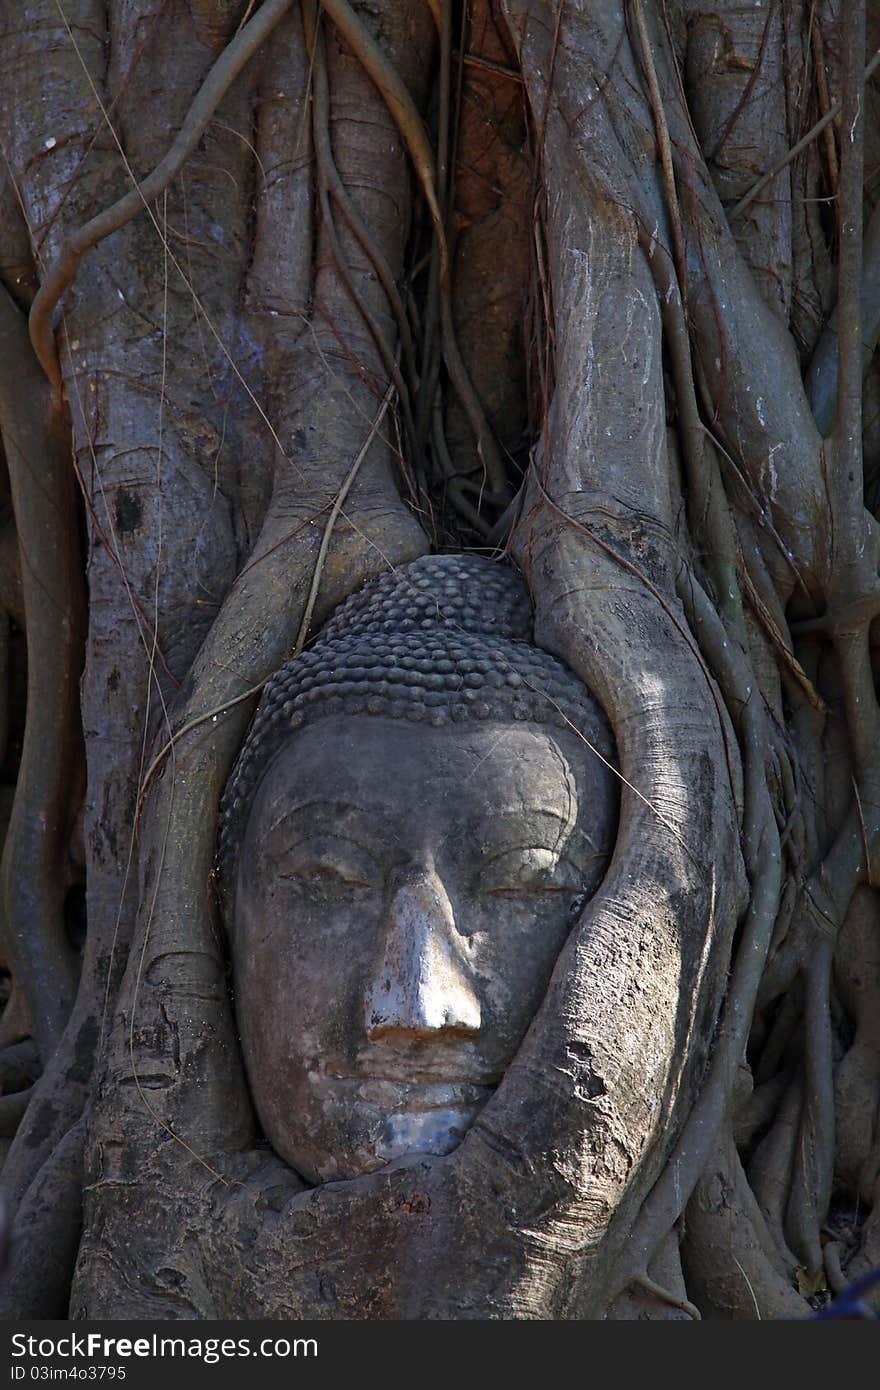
{"x":234,"y":57}
{"x":33,"y":872}
{"x":651,"y":1286}
{"x":409,"y":123}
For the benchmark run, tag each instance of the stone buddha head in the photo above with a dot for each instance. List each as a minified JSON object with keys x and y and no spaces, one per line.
{"x":413,"y":824}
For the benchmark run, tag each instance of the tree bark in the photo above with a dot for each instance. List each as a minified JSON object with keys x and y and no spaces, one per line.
{"x":408,"y":277}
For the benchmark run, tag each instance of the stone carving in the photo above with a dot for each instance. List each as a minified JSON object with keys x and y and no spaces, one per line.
{"x":412,"y":826}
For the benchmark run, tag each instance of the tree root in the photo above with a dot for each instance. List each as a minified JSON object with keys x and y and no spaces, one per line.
{"x":33,"y":875}
{"x":857,"y":1076}
{"x":340,"y":195}
{"x":813,"y":1158}
{"x":12,"y":1110}
{"x":329,"y":181}
{"x":48,"y":1219}
{"x":338,"y":504}
{"x":821,"y":379}
{"x":817,"y":48}
{"x":234,"y":57}
{"x":849,"y":486}
{"x":833,"y":111}
{"x":771,"y":1166}
{"x":659,"y":1295}
{"x":409,"y":123}
{"x":761,"y":849}
{"x":666,"y":1296}
{"x":731,"y":1262}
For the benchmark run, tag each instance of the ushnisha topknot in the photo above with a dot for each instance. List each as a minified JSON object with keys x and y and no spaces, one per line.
{"x":443,"y":639}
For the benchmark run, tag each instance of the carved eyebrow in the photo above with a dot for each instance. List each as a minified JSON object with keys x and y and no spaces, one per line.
{"x":381,"y":827}
{"x":510,"y":822}
{"x":566,"y":823}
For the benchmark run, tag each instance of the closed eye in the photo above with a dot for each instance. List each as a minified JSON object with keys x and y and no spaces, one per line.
{"x":324,"y":873}
{"x":529,"y":870}
{"x":328,"y":861}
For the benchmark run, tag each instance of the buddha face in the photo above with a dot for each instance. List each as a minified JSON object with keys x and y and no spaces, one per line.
{"x":403,"y":894}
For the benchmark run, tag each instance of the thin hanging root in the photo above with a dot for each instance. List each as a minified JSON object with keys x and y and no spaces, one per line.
{"x":326,"y":170}
{"x":783,"y":651}
{"x":797,"y":149}
{"x":708,"y":507}
{"x":344,"y":271}
{"x":430,"y":357}
{"x":746,"y":93}
{"x":813,"y":1168}
{"x":338,"y":504}
{"x":426,"y":422}
{"x":452,"y":481}
{"x":428,"y":397}
{"x":665,"y":148}
{"x":455,"y":493}
{"x":338,"y":192}
{"x":666,"y":1296}
{"x":848,"y":493}
{"x":398,"y":100}
{"x":409,"y":123}
{"x":828,"y":144}
{"x":185,"y":729}
{"x":863,"y":831}
{"x":212,"y":91}
{"x":487,"y":449}
{"x":443,"y":181}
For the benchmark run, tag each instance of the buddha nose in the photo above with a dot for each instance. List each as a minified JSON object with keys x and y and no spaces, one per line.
{"x":421,"y":987}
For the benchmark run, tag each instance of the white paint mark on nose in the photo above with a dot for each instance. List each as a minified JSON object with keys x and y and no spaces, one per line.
{"x":420,"y":987}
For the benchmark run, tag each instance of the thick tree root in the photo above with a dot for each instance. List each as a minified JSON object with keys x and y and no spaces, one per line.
{"x":49,"y":1218}
{"x":33,"y":875}
{"x":235,"y":56}
{"x":731,"y":1263}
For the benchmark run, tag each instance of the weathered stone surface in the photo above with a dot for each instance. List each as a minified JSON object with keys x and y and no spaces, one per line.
{"x":410,"y":865}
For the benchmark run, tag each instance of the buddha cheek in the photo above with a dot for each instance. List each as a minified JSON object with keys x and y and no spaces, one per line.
{"x":333,"y":951}
{"x":514,"y":956}
{"x":294,"y":989}
{"x":301,"y":986}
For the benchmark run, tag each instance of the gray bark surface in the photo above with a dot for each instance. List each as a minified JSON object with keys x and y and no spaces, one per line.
{"x":527,"y":226}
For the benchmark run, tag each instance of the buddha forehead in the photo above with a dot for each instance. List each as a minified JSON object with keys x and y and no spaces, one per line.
{"x":442,"y":645}
{"x":410,"y":781}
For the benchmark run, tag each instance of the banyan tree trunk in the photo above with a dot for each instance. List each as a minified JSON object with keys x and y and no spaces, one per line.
{"x":357,"y":283}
